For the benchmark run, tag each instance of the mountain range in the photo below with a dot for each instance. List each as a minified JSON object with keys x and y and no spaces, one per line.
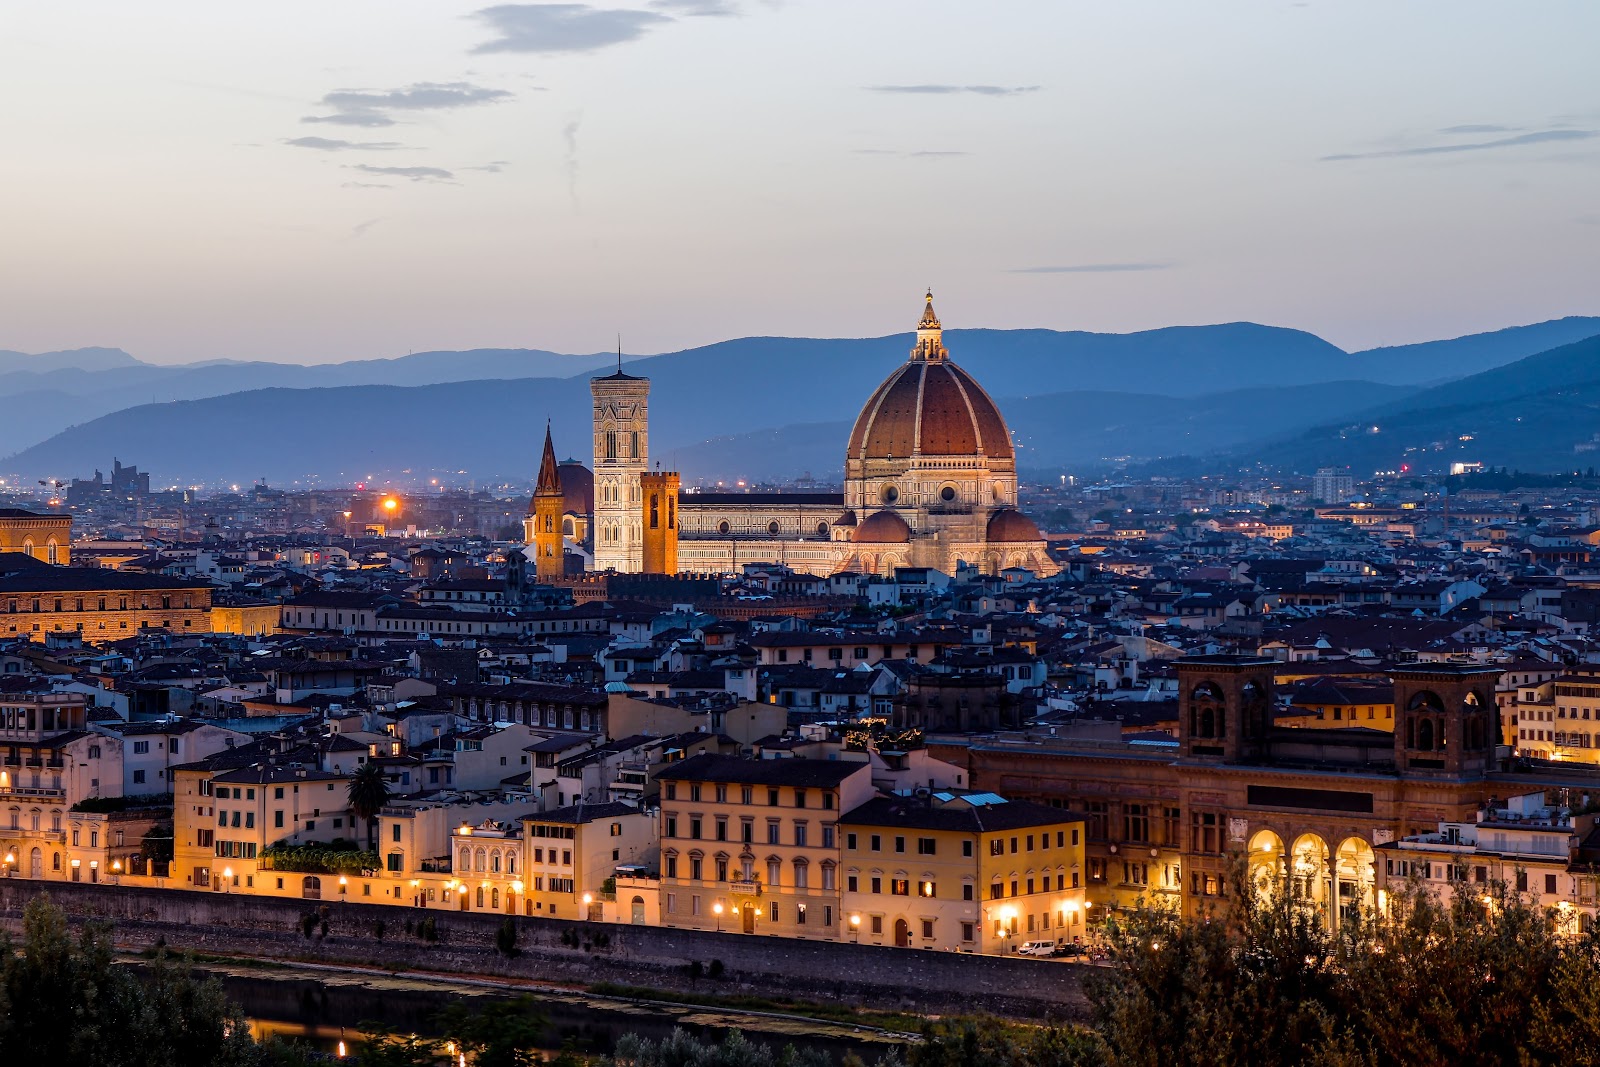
{"x":772,"y":407}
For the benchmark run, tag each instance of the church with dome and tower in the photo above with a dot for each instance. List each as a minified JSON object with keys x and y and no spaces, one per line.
{"x":930,"y":480}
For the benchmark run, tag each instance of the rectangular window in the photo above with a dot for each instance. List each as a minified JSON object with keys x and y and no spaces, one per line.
{"x":850,"y":842}
{"x":900,"y":887}
{"x":927,"y":846}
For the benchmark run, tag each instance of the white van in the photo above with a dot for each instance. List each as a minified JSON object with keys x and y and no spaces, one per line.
{"x":1036,"y":948}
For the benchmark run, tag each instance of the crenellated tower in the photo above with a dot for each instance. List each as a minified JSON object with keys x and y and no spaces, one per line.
{"x":660,"y":522}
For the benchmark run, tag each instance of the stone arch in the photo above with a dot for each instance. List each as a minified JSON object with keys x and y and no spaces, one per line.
{"x":1208,"y":711}
{"x":1266,"y":864}
{"x":1309,"y":874}
{"x":1354,"y":873}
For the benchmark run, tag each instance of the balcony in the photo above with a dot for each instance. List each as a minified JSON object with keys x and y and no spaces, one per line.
{"x":36,"y":791}
{"x":748,"y":886}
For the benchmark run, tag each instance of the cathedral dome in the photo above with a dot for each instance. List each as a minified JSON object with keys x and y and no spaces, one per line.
{"x":883,"y":528}
{"x":1008,"y":525}
{"x":929,"y":407}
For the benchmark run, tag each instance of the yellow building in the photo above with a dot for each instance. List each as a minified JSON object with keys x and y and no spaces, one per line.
{"x":224,"y":817}
{"x":248,"y":620}
{"x":47,"y":538}
{"x":962,"y":872}
{"x":1340,"y":703}
{"x":100,"y":605}
{"x":752,"y":845}
{"x":556,"y":864}
{"x":1559,"y":719}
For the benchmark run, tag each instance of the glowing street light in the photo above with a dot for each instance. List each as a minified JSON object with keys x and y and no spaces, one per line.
{"x":717,"y":910}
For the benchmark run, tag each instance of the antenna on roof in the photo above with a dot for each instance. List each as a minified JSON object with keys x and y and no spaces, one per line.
{"x":619,"y":352}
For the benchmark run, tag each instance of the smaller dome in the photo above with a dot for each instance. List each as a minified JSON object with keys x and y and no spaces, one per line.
{"x":883,"y":528}
{"x":1008,"y":525}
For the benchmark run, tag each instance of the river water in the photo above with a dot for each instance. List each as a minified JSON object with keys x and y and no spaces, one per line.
{"x":324,"y":1008}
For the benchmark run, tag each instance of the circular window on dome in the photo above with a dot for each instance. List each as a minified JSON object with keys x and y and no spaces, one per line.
{"x":822,"y":529}
{"x":947,"y":494}
{"x":772,"y":528}
{"x":890,"y":494}
{"x":999,"y":493}
{"x":723,"y":527}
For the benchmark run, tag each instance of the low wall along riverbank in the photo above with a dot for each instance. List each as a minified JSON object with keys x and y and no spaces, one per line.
{"x":569,"y":952}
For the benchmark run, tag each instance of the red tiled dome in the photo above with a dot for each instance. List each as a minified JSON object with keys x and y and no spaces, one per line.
{"x":1008,"y":525}
{"x":883,"y":528}
{"x":930,"y":407}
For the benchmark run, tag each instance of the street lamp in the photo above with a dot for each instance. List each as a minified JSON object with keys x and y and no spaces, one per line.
{"x":227,"y":879}
{"x":855,"y":928}
{"x":10,"y":864}
{"x":588,"y":898}
{"x":717,"y":910}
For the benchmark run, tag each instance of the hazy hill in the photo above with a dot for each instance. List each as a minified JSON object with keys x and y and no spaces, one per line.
{"x":1071,"y":397}
{"x":1437,"y":361}
{"x":1534,"y":414}
{"x":494,"y":429}
{"x":84,"y":359}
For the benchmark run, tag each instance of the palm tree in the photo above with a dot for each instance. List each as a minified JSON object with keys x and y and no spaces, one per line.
{"x":369,"y":792}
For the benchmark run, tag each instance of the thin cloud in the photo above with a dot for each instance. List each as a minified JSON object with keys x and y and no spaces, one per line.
{"x":569,"y":133}
{"x":548,"y":28}
{"x":368,"y":119}
{"x":362,"y":227}
{"x":329,"y":144}
{"x":1518,"y":141}
{"x":371,"y":107}
{"x":940,"y":90}
{"x":494,"y":166}
{"x":698,"y":8}
{"x":1093,"y":268}
{"x":365,"y":185}
{"x":423,"y":96}
{"x":416,"y":174}
{"x":1473,"y":127}
{"x":924,"y":153}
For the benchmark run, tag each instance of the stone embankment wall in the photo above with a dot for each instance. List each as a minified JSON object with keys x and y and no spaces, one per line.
{"x":569,"y":952}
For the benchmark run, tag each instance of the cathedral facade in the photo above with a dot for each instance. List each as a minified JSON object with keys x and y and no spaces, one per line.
{"x":930,"y":481}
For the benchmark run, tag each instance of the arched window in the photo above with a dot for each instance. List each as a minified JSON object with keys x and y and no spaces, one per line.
{"x":494,"y":861}
{"x":1425,"y":735}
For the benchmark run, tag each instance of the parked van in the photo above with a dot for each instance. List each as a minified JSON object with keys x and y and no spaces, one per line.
{"x":1036,"y":948}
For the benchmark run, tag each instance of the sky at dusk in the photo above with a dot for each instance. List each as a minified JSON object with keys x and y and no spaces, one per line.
{"x":309,"y":182}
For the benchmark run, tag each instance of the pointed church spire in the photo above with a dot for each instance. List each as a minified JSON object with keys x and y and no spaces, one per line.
{"x":930,"y":321}
{"x":549,"y":474}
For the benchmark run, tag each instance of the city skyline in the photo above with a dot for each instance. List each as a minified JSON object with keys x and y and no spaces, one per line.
{"x":370,"y":181}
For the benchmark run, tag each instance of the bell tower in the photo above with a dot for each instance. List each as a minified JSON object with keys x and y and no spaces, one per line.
{"x":621,"y":456}
{"x":1446,"y":722}
{"x":1224,"y":707}
{"x":544,"y":534}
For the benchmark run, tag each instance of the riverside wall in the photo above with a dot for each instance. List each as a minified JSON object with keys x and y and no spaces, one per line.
{"x":568,"y":952}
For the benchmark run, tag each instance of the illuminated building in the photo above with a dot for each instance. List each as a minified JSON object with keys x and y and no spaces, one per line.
{"x":930,"y":481}
{"x":46,"y":538}
{"x":100,"y":605}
